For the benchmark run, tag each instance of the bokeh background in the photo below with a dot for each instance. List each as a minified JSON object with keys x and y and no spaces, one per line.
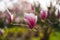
{"x":13,"y":26}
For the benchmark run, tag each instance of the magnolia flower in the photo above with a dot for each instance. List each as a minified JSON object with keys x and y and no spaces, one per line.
{"x":12,"y":17}
{"x":43,"y":15}
{"x":32,"y":7}
{"x":8,"y":19}
{"x":30,"y":19}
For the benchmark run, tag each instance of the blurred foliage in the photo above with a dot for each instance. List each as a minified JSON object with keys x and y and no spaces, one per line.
{"x":15,"y":33}
{"x":37,"y":8}
{"x":1,"y":23}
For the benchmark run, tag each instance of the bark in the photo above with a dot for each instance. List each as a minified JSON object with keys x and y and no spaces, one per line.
{"x":46,"y":35}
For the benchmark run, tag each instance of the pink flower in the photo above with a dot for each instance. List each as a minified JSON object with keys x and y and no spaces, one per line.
{"x":30,"y":19}
{"x":43,"y":14}
{"x":32,"y":7}
{"x":8,"y":19}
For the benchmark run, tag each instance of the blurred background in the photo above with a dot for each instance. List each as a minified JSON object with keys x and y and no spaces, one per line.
{"x":29,"y":19}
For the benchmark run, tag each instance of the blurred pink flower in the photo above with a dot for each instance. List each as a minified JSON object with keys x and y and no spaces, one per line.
{"x":32,"y":7}
{"x":30,"y":19}
{"x":43,"y":14}
{"x":8,"y":18}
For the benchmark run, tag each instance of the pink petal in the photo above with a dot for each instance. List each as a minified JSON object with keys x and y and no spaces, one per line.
{"x":31,"y":20}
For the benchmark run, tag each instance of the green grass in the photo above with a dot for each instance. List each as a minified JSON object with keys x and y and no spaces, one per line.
{"x":55,"y":36}
{"x":15,"y":30}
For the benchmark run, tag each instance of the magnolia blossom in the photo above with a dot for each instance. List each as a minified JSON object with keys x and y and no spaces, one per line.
{"x":8,"y":19}
{"x":12,"y":17}
{"x":43,"y":14}
{"x":30,"y":19}
{"x":32,"y":7}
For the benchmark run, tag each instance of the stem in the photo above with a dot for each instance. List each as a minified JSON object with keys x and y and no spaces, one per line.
{"x":46,"y":35}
